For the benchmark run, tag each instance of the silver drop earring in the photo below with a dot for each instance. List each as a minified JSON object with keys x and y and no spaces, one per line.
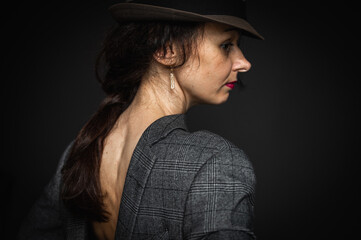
{"x":171,"y":76}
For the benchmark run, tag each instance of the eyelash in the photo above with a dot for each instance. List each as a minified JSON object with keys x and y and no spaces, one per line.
{"x":227,"y":46}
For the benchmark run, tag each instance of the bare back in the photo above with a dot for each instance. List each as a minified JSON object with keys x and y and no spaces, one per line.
{"x":117,"y":153}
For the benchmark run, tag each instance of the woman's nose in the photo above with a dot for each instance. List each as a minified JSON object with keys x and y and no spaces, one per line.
{"x":241,"y":64}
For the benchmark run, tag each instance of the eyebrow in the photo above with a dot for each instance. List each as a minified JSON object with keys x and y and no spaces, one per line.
{"x":231,"y":29}
{"x":239,"y":31}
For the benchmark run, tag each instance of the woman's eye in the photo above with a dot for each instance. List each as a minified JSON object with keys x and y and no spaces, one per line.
{"x":227,"y":46}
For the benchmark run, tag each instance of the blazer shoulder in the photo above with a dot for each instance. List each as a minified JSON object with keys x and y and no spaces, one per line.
{"x":201,"y":138}
{"x":205,"y":145}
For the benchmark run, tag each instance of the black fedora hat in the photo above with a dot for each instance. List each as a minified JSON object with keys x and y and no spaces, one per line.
{"x":230,"y":12}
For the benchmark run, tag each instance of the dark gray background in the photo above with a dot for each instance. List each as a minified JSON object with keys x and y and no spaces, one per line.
{"x":298,"y":117}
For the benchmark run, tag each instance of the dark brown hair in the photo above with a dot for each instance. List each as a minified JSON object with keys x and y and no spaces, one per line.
{"x":125,"y":58}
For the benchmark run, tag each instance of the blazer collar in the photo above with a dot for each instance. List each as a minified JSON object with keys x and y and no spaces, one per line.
{"x":140,"y":167}
{"x":160,"y":128}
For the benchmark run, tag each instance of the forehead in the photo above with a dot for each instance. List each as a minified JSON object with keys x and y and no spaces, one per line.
{"x":218,"y":30}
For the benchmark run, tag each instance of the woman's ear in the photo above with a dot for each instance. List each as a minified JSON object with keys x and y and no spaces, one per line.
{"x":167,"y":56}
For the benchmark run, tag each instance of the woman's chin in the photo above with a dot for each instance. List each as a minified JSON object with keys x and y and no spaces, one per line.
{"x":219,"y":99}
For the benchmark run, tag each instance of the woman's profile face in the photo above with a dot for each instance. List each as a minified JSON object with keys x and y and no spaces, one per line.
{"x":207,"y":76}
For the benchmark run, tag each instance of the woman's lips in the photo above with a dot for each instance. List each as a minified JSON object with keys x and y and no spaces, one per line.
{"x":231,"y":84}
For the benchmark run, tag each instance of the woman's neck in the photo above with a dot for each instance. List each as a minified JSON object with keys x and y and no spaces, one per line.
{"x":152,"y":101}
{"x":156,"y":98}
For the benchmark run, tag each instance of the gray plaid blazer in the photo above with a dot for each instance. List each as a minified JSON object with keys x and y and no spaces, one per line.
{"x":179,"y":185}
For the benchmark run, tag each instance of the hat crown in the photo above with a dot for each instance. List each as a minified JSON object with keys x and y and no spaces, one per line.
{"x":235,"y":8}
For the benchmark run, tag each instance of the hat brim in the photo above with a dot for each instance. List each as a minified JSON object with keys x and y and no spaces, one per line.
{"x":123,"y":12}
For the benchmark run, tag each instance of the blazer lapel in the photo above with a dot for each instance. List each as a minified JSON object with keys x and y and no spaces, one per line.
{"x":140,"y":167}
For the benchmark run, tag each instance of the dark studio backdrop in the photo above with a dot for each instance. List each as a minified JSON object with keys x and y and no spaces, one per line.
{"x":297,"y":118}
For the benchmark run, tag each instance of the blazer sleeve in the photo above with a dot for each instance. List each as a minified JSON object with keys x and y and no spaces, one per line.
{"x":44,"y":220}
{"x":220,"y":202}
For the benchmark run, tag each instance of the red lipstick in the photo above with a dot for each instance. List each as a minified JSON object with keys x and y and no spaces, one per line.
{"x":231,"y":84}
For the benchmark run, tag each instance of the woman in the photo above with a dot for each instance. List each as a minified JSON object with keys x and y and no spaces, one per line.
{"x":134,"y":171}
